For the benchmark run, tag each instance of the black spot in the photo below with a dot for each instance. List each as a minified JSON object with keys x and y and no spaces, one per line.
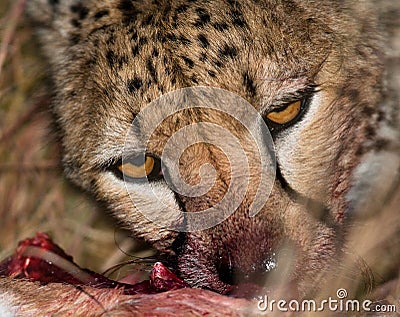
{"x":203,"y":41}
{"x":370,"y":132}
{"x":227,"y":51}
{"x":211,"y":73}
{"x":110,"y":58}
{"x":160,"y":88}
{"x":122,"y":60}
{"x":155,"y":53}
{"x":188,"y":61}
{"x":134,"y":36}
{"x":203,"y":57}
{"x":194,"y":80}
{"x":53,"y":2}
{"x":238,"y":19}
{"x":101,"y":14}
{"x":142,"y":40}
{"x":90,"y":62}
{"x":160,"y":37}
{"x":234,"y":3}
{"x":126,"y":6}
{"x":381,"y":116}
{"x":381,"y":144}
{"x":220,"y":26}
{"x":128,"y":10}
{"x":218,"y":64}
{"x":369,"y":111}
{"x":172,"y":37}
{"x":184,"y":40}
{"x":74,"y":39}
{"x":182,"y":8}
{"x":353,"y":94}
{"x":114,"y":60}
{"x":111,"y":39}
{"x":72,"y":93}
{"x":204,"y":17}
{"x":135,"y":50}
{"x":149,"y":20}
{"x":134,"y":84}
{"x":75,"y":23}
{"x":248,"y":83}
{"x":151,"y":69}
{"x":360,"y":151}
{"x":80,"y":9}
{"x":107,"y":92}
{"x":167,"y":9}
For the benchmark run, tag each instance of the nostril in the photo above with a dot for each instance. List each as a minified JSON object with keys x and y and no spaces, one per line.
{"x":233,"y":275}
{"x":179,"y":242}
{"x":225,"y":270}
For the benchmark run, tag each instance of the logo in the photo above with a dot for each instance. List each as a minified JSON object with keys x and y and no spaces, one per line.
{"x":219,"y":120}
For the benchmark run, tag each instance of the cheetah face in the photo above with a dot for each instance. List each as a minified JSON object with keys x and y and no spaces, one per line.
{"x":310,"y":73}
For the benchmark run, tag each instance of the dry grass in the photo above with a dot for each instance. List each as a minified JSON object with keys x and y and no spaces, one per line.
{"x":34,"y":196}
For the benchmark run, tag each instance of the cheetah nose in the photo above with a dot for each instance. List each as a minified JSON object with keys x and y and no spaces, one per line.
{"x":256,"y":275}
{"x":248,"y":283}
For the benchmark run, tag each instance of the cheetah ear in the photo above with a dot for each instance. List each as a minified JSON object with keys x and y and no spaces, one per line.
{"x":47,"y":17}
{"x":65,"y":22}
{"x":43,"y":12}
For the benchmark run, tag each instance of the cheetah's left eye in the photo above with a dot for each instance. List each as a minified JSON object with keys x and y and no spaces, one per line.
{"x":286,"y":114}
{"x":139,"y":168}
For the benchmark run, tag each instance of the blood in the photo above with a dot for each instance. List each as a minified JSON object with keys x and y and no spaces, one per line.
{"x":40,"y":259}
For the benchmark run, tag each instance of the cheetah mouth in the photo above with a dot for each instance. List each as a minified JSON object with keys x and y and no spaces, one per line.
{"x":224,"y":273}
{"x":39,"y":259}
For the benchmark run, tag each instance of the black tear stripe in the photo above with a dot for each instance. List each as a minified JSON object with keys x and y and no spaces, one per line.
{"x":321,"y":211}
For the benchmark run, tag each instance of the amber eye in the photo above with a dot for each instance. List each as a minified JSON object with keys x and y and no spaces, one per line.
{"x":286,"y":114}
{"x":141,"y":167}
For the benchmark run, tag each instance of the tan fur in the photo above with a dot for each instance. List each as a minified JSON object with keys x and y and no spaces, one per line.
{"x":262,"y":51}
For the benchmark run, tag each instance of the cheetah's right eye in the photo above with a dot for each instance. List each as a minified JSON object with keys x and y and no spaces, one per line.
{"x":286,"y":114}
{"x":140,"y":167}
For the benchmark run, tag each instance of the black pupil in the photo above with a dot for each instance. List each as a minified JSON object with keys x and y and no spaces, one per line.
{"x":138,"y":161}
